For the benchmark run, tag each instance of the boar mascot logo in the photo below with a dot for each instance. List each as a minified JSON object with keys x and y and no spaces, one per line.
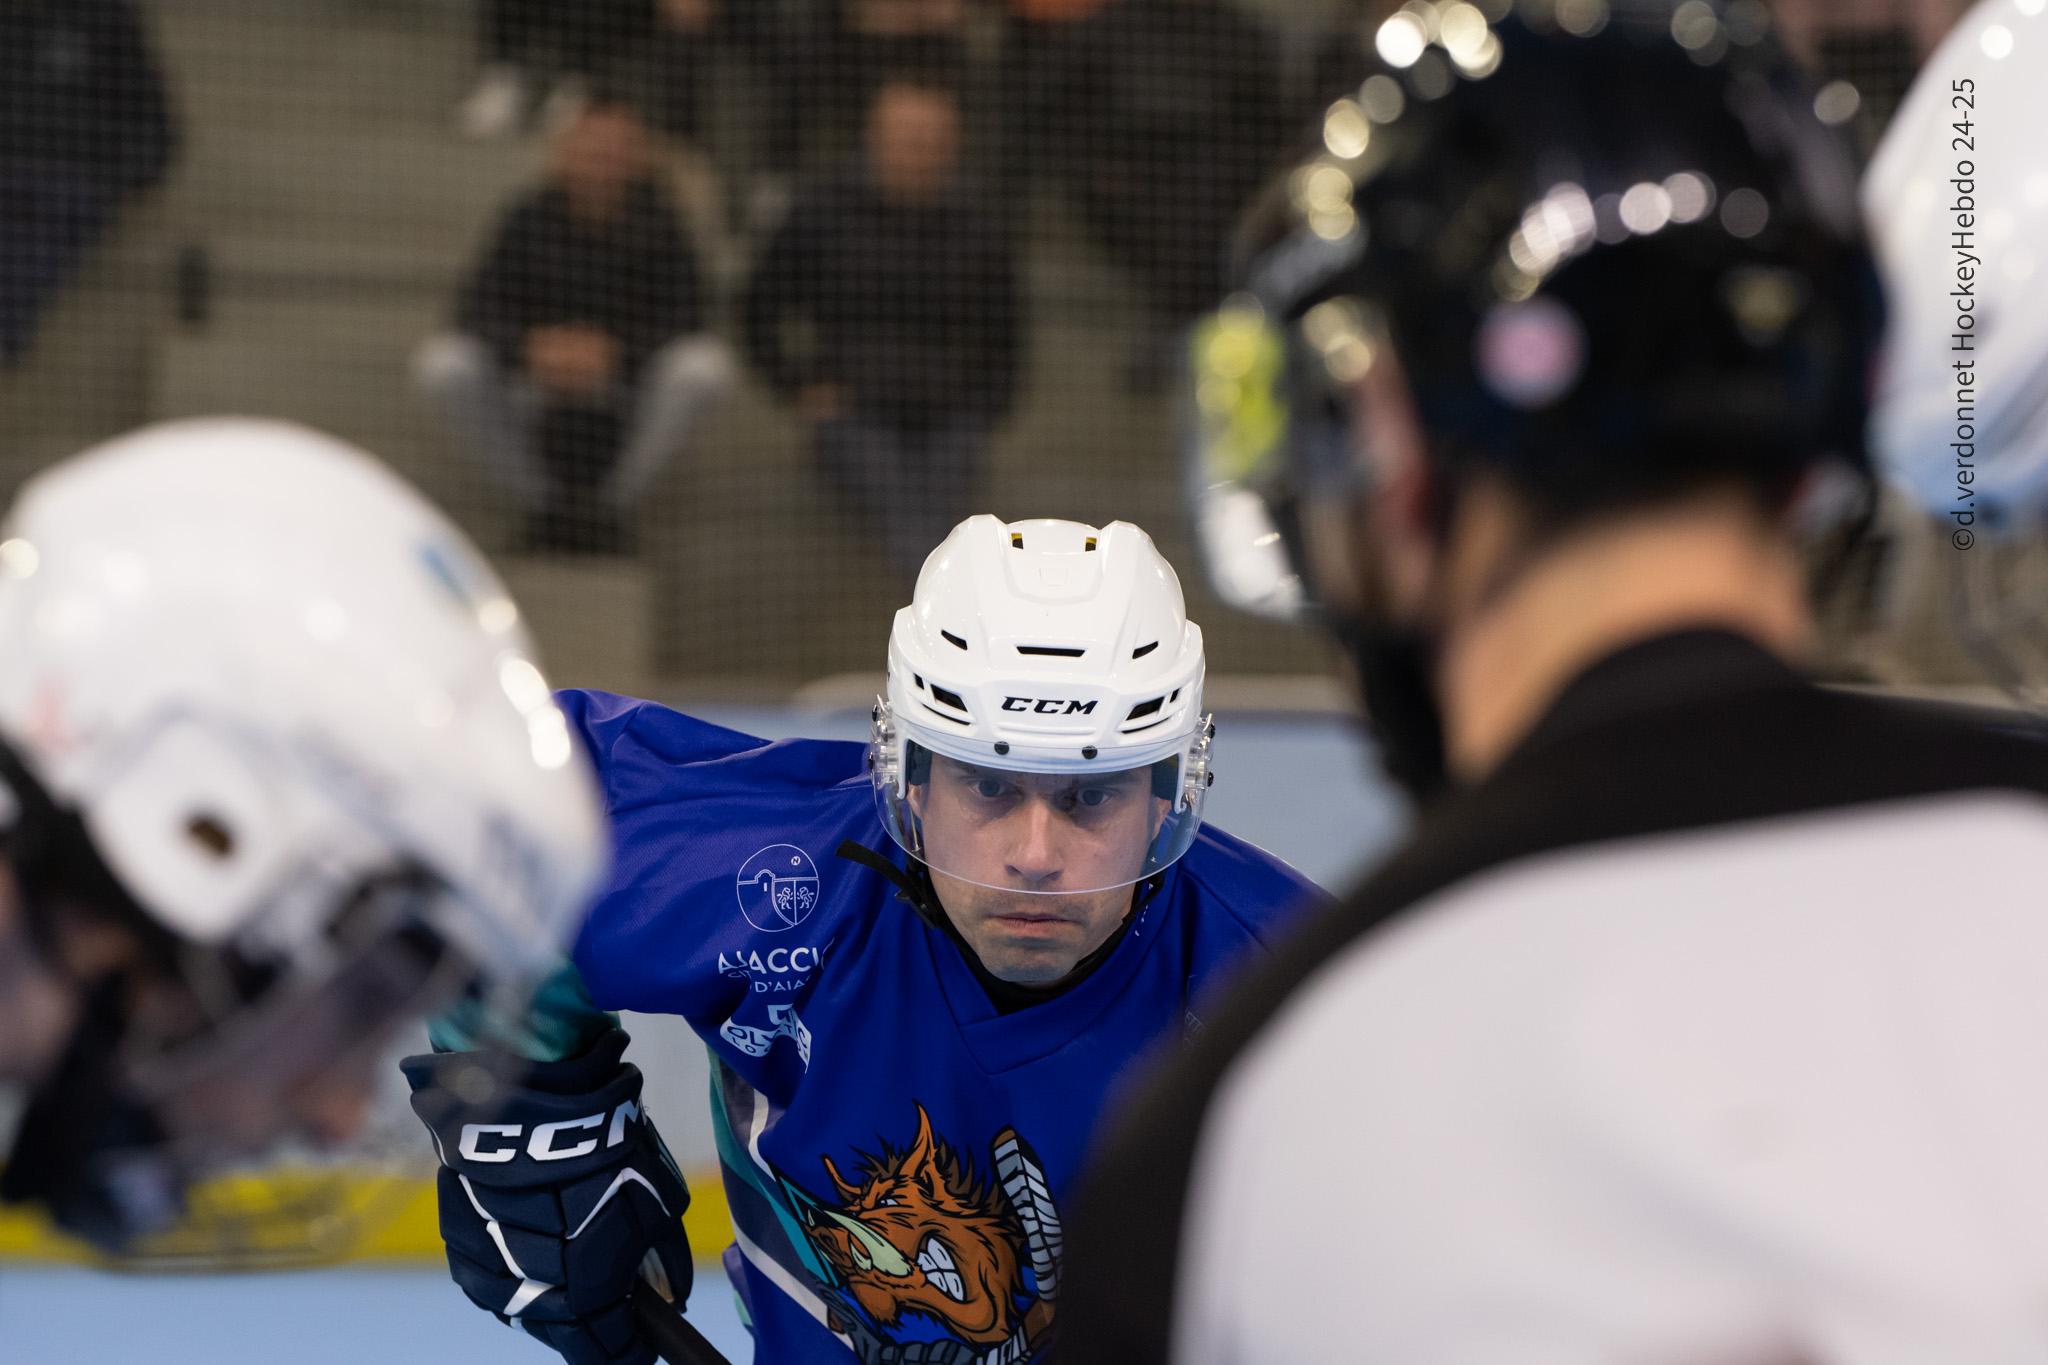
{"x":918,"y":1236}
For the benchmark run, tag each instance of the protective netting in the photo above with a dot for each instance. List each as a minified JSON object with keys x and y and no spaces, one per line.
{"x":706,"y":316}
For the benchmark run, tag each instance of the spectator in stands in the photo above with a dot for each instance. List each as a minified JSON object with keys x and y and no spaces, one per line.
{"x":84,"y":126}
{"x":580,"y":364}
{"x":906,"y":293}
{"x":686,"y":37}
{"x":577,"y":42}
{"x":1034,"y":81}
{"x":833,"y":55}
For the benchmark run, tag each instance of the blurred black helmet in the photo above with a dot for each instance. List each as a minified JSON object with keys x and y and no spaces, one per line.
{"x":1613,"y":248}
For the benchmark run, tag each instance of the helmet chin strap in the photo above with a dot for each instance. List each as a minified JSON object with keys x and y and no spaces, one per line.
{"x":917,"y":890}
{"x":915,"y":886}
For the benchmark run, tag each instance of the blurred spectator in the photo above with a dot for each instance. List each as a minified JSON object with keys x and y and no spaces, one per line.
{"x":1035,"y":82}
{"x":1170,"y":116}
{"x":580,"y":366}
{"x":84,"y":125}
{"x":522,"y":42}
{"x":907,"y":293}
{"x":833,"y":56}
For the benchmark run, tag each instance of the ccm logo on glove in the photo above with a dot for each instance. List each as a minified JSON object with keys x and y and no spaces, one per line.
{"x":541,"y":1144}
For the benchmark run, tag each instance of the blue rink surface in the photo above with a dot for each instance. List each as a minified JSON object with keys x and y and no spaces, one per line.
{"x":1294,"y":784}
{"x":353,"y":1316}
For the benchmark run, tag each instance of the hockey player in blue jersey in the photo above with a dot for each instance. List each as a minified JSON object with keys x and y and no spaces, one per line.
{"x":920,"y":966}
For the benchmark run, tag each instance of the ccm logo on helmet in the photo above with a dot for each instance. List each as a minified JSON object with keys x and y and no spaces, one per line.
{"x":543,"y":1144}
{"x":1049,"y":706}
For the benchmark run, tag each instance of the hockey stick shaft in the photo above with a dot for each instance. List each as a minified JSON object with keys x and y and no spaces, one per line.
{"x":671,"y":1334}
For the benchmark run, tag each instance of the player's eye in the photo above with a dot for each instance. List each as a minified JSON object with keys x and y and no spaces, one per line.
{"x":1085,"y":798}
{"x":990,"y":788}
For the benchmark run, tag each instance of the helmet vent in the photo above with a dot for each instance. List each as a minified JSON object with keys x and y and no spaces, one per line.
{"x":1055,"y":651}
{"x":950,"y":638}
{"x":1089,"y":544}
{"x":918,"y":678}
{"x":947,"y":698}
{"x":211,"y":835}
{"x":1142,"y":650}
{"x":1016,"y":540}
{"x":1145,"y":708}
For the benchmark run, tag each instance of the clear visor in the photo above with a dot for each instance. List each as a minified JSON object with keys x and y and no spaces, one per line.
{"x":377,"y":965}
{"x":1278,"y":427}
{"x":1065,"y":833}
{"x":1234,"y":422}
{"x":240,"y":1064}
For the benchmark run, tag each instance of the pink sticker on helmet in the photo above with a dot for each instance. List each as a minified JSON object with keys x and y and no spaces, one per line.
{"x":1531,"y":354}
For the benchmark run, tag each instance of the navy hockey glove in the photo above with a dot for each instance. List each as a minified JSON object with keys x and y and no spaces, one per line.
{"x":554,"y":1190}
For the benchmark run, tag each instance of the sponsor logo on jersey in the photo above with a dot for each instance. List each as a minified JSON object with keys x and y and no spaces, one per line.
{"x":778,"y":969}
{"x":776,"y":961}
{"x":778,"y":888}
{"x":783,"y":1023}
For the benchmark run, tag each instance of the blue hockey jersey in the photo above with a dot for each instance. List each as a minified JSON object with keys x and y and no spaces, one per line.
{"x":894,"y":1148}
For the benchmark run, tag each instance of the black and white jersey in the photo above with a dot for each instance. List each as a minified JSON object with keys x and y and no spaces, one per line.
{"x":1711,"y":1027}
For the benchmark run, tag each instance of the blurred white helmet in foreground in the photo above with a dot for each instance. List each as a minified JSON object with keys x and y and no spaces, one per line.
{"x":294,"y":714}
{"x":253,"y":658}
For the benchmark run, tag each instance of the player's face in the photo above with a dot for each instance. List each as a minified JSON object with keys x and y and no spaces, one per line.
{"x":913,"y":141}
{"x":302,"y":1067}
{"x":600,"y":154}
{"x":39,"y":1003}
{"x":226,"y":1121}
{"x":216,"y":1087}
{"x":313,"y":1082}
{"x":1003,"y":848}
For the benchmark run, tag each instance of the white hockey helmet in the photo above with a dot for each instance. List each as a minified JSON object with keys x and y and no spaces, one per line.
{"x":1054,"y":661}
{"x":264,"y":703}
{"x":256,"y":663}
